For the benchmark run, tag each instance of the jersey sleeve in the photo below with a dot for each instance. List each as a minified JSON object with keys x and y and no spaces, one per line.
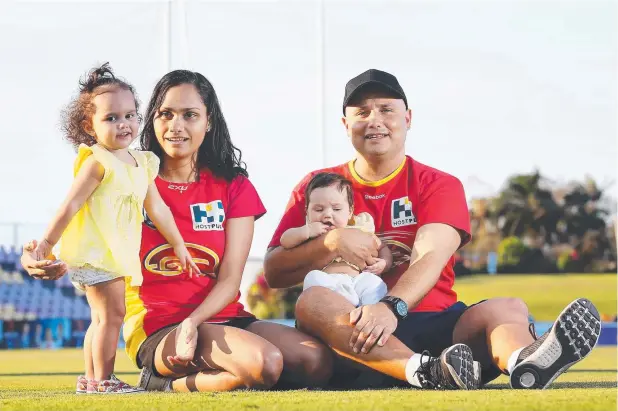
{"x":444,"y":201}
{"x":152,"y":165}
{"x":294,"y":215}
{"x":244,"y":200}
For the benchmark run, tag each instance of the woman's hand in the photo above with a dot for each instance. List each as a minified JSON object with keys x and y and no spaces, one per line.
{"x":43,"y":250}
{"x":39,"y":267}
{"x":186,"y":342}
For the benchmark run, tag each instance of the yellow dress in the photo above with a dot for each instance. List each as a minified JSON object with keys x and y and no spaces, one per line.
{"x":106,"y":232}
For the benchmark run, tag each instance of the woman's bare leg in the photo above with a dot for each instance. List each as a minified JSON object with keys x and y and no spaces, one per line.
{"x":226,"y":358}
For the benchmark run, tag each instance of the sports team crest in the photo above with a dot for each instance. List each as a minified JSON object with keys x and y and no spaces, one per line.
{"x":162,"y":260}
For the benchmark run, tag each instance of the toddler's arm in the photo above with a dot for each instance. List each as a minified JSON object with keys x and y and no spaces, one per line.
{"x":86,"y":181}
{"x":163,"y":219}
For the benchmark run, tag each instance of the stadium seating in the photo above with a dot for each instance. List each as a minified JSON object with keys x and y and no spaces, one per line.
{"x":22,"y":298}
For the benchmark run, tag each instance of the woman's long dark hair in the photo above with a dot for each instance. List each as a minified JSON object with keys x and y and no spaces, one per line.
{"x":217,"y":153}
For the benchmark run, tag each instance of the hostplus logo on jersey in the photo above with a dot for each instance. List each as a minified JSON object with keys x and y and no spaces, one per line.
{"x":402,"y":212}
{"x":208,"y":216}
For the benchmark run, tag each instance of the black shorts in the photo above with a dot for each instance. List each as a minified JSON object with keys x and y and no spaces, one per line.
{"x":421,"y":331}
{"x":146,"y":353}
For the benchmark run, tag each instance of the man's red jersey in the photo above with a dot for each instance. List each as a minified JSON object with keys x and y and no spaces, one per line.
{"x":168,"y":295}
{"x":412,"y":196}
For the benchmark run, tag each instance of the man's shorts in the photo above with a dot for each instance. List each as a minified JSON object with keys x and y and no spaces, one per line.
{"x":420,"y":331}
{"x":146,"y":353}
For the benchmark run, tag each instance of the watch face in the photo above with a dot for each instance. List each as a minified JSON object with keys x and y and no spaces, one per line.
{"x":401,"y":308}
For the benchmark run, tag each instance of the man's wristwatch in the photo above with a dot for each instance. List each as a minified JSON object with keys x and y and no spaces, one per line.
{"x":397,"y":305}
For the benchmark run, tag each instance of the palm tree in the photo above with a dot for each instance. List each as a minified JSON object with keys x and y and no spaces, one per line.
{"x":525,"y":207}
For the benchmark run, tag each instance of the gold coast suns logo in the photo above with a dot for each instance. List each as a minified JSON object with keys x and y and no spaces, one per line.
{"x":163,"y":261}
{"x":397,"y":242}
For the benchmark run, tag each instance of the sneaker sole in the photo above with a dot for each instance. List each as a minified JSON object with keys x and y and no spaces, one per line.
{"x":476,"y":367}
{"x":573,"y":336}
{"x":458,"y":360}
{"x":143,"y":380}
{"x":150,"y":382}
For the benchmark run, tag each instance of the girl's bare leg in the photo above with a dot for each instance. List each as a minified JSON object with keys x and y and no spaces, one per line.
{"x":107,"y":299}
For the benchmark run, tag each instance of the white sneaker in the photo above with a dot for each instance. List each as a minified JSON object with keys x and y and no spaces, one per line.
{"x":570,"y":339}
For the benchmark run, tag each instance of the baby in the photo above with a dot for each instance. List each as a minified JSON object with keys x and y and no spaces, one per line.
{"x":330,"y":204}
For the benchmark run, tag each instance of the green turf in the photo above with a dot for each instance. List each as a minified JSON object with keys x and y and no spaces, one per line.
{"x":45,"y":380}
{"x":545,"y":295}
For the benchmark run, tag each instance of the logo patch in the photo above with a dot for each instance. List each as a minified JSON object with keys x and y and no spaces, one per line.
{"x":163,"y":261}
{"x":402,"y":212}
{"x":208,"y":216}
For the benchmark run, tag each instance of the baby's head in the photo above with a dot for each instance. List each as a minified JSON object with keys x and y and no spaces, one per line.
{"x":329,"y":200}
{"x":105,"y":111}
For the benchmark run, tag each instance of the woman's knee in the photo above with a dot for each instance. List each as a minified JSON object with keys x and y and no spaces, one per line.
{"x":268,"y":367}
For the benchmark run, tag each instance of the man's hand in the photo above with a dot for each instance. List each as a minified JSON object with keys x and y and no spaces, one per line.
{"x":374,"y":323}
{"x":40,"y":268}
{"x":354,"y":246}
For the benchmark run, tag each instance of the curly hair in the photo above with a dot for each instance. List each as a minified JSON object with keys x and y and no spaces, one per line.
{"x":81,"y":109}
{"x":217,"y":153}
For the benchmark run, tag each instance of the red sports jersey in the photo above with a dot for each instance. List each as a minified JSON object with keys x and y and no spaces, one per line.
{"x":413,"y":195}
{"x":167,"y":295}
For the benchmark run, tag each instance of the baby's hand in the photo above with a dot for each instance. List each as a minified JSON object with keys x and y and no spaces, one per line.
{"x":317,"y":228}
{"x":377,"y":267}
{"x":186,"y":262}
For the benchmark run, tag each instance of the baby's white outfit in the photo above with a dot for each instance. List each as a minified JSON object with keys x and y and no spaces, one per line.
{"x":363,"y":289}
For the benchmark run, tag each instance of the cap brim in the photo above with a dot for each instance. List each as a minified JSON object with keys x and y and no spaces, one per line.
{"x":360,"y":88}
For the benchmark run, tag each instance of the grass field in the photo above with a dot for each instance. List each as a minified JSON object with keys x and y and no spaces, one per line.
{"x":545,"y":295}
{"x":45,"y":380}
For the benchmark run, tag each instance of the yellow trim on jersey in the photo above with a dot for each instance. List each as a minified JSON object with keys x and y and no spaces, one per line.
{"x":133,"y":329}
{"x":379,"y":182}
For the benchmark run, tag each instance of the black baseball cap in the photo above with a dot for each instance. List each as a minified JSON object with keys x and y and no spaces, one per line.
{"x":374,"y":77}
